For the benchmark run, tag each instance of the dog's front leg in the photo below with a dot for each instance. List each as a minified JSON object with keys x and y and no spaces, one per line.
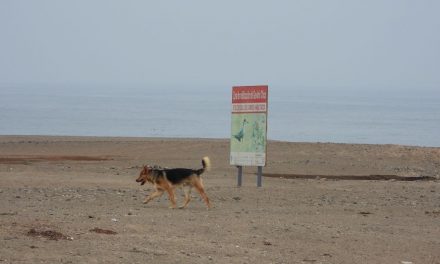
{"x":170,"y":191}
{"x":150,"y":197}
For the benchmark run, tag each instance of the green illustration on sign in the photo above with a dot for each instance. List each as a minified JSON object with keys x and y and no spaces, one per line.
{"x":249,"y":133}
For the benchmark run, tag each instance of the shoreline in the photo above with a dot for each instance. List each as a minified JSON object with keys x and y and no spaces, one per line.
{"x":130,"y":138}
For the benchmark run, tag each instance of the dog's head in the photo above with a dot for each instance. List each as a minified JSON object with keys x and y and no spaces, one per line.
{"x":144,"y":175}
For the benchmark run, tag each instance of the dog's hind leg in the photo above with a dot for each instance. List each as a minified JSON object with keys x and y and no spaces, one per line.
{"x":150,"y":197}
{"x":201,"y":190}
{"x":187,"y":197}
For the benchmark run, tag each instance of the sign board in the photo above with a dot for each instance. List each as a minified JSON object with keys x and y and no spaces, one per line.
{"x":249,"y":125}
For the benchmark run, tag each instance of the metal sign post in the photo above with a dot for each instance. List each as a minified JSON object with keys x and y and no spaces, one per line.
{"x":239,"y":176}
{"x":259,"y":176}
{"x":249,"y":129}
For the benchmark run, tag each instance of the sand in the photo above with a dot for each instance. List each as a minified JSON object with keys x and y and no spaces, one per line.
{"x":75,"y":200}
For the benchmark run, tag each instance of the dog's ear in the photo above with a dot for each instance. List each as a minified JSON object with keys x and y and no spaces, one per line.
{"x":147,"y":168}
{"x":144,"y":169}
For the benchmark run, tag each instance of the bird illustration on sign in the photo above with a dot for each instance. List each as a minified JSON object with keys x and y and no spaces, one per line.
{"x":239,"y":136}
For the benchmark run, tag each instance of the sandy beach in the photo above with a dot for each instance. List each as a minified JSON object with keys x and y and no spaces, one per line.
{"x":75,"y":200}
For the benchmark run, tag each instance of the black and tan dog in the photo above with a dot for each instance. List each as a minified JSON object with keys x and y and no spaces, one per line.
{"x":165,"y":179}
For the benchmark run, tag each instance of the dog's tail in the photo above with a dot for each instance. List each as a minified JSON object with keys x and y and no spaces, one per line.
{"x":206,"y":163}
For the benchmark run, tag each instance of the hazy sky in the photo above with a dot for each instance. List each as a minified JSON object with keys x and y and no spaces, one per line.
{"x":374,"y":43}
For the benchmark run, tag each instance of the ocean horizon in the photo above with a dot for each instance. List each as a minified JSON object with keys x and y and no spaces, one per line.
{"x":369,"y":116}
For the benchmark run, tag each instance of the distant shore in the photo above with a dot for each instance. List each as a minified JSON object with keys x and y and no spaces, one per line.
{"x":283,"y":157}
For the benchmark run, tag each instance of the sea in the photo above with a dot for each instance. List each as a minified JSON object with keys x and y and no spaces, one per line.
{"x":295,"y":114}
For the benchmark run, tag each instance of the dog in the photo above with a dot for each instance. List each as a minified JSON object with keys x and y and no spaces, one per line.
{"x":165,"y":179}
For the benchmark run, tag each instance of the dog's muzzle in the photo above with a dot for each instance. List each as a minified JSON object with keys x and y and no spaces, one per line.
{"x":142,"y":181}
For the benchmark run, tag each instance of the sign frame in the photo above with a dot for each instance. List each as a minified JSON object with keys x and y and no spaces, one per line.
{"x":248,"y":146}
